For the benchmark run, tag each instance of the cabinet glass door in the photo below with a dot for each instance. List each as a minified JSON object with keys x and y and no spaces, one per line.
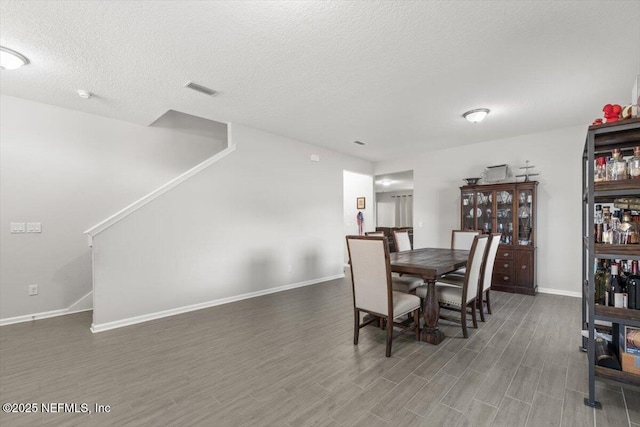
{"x":525,"y":213}
{"x":468,"y":211}
{"x":483,"y":212}
{"x":504,"y":216}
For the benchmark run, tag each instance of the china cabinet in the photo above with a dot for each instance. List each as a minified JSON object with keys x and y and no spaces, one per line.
{"x":508,"y":209}
{"x":615,"y":140}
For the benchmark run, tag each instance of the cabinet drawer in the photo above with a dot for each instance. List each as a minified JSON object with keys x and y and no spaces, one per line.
{"x":503,"y":265}
{"x":504,"y":254}
{"x":503,"y":278}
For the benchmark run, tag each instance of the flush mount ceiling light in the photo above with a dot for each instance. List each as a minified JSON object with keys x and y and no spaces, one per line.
{"x":386,"y":182}
{"x":477,"y":115}
{"x":10,"y":59}
{"x":84,"y":94}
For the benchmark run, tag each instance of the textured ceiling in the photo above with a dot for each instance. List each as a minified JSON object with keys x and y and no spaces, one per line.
{"x":397,"y":75}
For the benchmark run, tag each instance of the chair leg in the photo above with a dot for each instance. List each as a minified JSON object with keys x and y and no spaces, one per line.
{"x":389,"y":336}
{"x":356,"y":326}
{"x":416,"y":320}
{"x":463,"y":320}
{"x":480,"y":305}
{"x":488,"y":302}
{"x":473,"y":314}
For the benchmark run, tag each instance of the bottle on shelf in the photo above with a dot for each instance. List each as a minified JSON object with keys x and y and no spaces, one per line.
{"x":617,"y":291}
{"x":600,"y":280}
{"x":598,"y":224}
{"x":616,"y":166}
{"x":634,"y":164}
{"x":600,"y":171}
{"x":633,"y":287}
{"x":628,"y":231}
{"x":607,"y":231}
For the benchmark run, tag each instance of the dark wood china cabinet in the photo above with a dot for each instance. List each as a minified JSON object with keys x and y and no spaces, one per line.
{"x":508,"y":209}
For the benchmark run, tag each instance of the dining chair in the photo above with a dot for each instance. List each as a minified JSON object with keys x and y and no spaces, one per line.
{"x":372,"y":288}
{"x":374,"y":233}
{"x":461,"y":298}
{"x":462,"y":239}
{"x":402,"y":241}
{"x":484,"y":286}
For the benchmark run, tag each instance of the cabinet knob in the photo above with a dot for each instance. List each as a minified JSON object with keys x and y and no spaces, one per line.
{"x":506,"y":265}
{"x":506,"y":278}
{"x":524,"y":267}
{"x":506,"y":254}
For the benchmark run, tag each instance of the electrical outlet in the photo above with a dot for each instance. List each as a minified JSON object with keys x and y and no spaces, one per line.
{"x":17,"y":227}
{"x":34,"y":227}
{"x":33,"y":290}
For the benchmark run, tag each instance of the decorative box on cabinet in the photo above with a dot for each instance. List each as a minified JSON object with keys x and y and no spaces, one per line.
{"x":509,"y":209}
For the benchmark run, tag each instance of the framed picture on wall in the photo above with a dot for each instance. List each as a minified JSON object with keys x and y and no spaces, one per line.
{"x":360,"y":203}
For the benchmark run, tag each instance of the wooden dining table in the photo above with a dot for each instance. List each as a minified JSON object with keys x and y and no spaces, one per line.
{"x":430,"y":264}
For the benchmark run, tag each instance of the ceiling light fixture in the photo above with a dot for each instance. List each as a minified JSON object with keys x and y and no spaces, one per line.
{"x":10,"y":59}
{"x":385,"y":182}
{"x":84,"y":94}
{"x":477,"y":115}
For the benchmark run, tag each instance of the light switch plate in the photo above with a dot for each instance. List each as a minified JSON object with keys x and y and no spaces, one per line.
{"x":34,"y":227}
{"x":17,"y":227}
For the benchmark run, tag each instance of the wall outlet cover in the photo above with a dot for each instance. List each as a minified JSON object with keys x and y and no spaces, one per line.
{"x":34,"y":227}
{"x":17,"y":227}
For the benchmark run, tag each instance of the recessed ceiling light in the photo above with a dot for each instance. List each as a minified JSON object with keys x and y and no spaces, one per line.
{"x":84,"y":94}
{"x":359,"y":143}
{"x":10,"y":59}
{"x":477,"y":115}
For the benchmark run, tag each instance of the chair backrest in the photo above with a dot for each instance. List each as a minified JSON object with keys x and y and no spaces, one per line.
{"x":374,"y":233}
{"x":370,"y":273}
{"x":401,"y":238}
{"x":475,"y":266}
{"x":494,"y":242}
{"x":463,"y":239}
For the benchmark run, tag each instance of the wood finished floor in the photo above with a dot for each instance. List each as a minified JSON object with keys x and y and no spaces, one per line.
{"x":287,"y":359}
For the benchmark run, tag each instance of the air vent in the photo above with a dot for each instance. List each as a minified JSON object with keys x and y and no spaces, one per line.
{"x":200,"y":88}
{"x":359,"y":143}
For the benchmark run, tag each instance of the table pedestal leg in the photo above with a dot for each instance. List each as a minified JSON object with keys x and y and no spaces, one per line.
{"x":431,"y":312}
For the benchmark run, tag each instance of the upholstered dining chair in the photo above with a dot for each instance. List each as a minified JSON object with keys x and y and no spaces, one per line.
{"x":462,"y":239}
{"x":461,"y":298}
{"x":372,"y":288}
{"x":374,"y":233}
{"x":402,"y":241}
{"x":484,"y":287}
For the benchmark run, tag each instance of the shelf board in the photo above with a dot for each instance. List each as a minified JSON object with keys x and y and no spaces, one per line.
{"x":623,"y":184}
{"x":625,"y":316}
{"x":619,"y":376}
{"x":621,"y":134}
{"x":617,"y":251}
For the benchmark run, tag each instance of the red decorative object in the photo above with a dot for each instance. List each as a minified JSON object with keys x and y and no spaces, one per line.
{"x":597,"y":121}
{"x":612,"y":112}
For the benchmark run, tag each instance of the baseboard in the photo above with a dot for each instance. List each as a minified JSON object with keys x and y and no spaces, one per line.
{"x":552,"y":291}
{"x":185,"y":309}
{"x":39,"y":316}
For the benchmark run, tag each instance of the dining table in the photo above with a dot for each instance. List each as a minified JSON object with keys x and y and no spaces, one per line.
{"x":430,"y":264}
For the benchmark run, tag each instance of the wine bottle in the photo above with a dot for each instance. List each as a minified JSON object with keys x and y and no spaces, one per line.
{"x":616,"y":288}
{"x":633,"y":286}
{"x":600,"y":280}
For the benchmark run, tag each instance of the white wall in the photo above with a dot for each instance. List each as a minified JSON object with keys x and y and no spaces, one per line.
{"x":557,"y":156}
{"x":69,"y":170}
{"x":263,"y":217}
{"x":357,"y":185}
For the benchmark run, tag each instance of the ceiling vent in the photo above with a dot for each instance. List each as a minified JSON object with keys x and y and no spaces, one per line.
{"x":200,"y":88}
{"x":359,"y":143}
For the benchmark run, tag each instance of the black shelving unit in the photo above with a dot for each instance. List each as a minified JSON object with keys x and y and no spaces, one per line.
{"x":601,"y":140}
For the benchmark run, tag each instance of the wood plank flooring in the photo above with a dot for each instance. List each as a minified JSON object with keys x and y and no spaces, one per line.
{"x":288,"y":359}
